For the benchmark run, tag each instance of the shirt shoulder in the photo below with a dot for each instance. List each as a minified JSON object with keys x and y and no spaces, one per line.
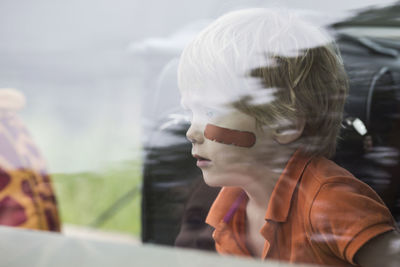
{"x":344,"y":213}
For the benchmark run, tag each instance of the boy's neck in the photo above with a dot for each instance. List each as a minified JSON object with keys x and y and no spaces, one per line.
{"x":259,"y":190}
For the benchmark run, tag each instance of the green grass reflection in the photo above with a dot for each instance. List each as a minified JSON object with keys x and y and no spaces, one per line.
{"x":84,"y":197}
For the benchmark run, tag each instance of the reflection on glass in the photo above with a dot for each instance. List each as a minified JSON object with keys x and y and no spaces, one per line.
{"x":168,"y":177}
{"x":267,"y":91}
{"x":26,"y":194}
{"x":194,"y":232}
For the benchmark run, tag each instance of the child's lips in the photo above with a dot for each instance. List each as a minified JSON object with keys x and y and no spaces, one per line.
{"x":201,"y":161}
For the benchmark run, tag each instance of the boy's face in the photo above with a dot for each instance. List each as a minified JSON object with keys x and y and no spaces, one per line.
{"x":230,"y":148}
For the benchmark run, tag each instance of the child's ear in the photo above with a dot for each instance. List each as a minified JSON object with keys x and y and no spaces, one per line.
{"x":287,"y":135}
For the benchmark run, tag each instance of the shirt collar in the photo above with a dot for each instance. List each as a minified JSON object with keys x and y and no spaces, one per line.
{"x":281,"y":197}
{"x":222,"y":204}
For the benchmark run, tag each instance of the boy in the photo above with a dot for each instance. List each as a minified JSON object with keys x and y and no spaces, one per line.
{"x":267,"y":90}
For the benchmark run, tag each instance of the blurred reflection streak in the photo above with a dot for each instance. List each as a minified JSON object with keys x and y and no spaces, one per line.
{"x":172,"y":179}
{"x":194,"y":232}
{"x":26,"y":195}
{"x":168,"y":176}
{"x":388,"y":156}
{"x":370,"y":49}
{"x":171,"y":184}
{"x":167,"y":159}
{"x":173,"y":120}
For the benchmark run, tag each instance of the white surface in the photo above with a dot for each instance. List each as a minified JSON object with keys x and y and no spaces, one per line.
{"x":80,"y":232}
{"x":20,"y":248}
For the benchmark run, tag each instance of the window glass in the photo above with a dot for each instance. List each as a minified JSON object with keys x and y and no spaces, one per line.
{"x":258,"y":129}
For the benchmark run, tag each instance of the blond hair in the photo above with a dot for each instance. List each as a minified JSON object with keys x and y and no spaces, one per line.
{"x":273,"y":66}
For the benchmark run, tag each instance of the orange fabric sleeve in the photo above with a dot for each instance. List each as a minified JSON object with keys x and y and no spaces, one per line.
{"x":344,"y":216}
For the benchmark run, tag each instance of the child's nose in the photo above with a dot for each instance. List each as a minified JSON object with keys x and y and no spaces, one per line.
{"x":195,"y":134}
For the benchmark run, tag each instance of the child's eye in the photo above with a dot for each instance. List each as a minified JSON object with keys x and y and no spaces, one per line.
{"x":204,"y":112}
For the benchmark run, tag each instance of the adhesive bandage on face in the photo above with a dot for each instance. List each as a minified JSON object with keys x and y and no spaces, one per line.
{"x":229,"y":137}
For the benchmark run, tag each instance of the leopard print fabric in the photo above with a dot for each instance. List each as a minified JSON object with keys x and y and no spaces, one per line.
{"x":26,"y":195}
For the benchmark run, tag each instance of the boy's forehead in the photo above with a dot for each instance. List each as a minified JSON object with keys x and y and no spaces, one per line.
{"x":198,"y":103}
{"x":222,"y":99}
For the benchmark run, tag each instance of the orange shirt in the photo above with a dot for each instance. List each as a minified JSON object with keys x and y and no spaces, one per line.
{"x":318,"y":213}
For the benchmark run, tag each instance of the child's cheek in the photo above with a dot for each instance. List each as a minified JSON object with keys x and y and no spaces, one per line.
{"x":229,"y":137}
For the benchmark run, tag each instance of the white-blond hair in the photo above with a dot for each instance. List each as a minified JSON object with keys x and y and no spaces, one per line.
{"x":272,"y":65}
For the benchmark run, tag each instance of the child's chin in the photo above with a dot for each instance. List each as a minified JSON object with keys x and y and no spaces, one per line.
{"x":215,"y":181}
{"x":208,"y":181}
